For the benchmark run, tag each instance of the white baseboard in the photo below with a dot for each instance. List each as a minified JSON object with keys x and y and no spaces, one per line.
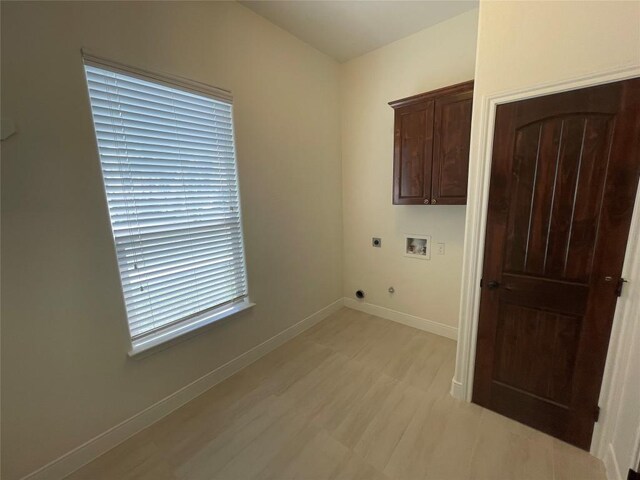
{"x":457,"y":390}
{"x":404,"y":318}
{"x":88,"y":451}
{"x":611,"y":464}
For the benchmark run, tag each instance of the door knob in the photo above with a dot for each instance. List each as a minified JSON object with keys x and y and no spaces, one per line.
{"x":493,"y":284}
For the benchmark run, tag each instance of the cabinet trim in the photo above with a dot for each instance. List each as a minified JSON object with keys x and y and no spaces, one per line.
{"x":438,"y":190}
{"x":451,"y":89}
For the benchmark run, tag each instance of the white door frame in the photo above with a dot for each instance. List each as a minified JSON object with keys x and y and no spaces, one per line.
{"x":475,"y":228}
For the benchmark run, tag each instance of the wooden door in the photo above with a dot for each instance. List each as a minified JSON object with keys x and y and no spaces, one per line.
{"x":452,"y":133}
{"x":563,"y":184}
{"x":413,"y":146}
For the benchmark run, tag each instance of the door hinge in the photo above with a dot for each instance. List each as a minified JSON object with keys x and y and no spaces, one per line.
{"x":596,"y":414}
{"x":619,"y":286}
{"x":481,"y":282}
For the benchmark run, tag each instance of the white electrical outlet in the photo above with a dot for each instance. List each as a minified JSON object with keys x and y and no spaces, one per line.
{"x":441,"y":248}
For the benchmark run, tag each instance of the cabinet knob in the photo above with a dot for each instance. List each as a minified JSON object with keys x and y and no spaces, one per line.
{"x":433,"y":201}
{"x":426,"y":202}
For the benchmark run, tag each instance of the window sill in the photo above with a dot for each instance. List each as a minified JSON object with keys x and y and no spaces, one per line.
{"x":165,"y":337}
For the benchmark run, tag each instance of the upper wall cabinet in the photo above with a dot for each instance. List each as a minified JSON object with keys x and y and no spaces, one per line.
{"x":431,"y":147}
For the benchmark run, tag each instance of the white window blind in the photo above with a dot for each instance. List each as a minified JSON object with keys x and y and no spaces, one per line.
{"x":169,"y":169}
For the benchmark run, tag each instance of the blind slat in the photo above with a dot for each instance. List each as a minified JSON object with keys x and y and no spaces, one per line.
{"x":233,"y":279}
{"x":179,"y":246}
{"x":179,"y":162}
{"x":158,"y":265}
{"x":176,"y":298}
{"x":121,"y":84}
{"x":168,"y":164}
{"x":147,"y":120}
{"x":142,"y":86}
{"x":165,"y":282}
{"x":131,"y":143}
{"x":148,"y":108}
{"x":128,"y":234}
{"x":115,"y":155}
{"x":144,"y":240}
{"x":182,"y":309}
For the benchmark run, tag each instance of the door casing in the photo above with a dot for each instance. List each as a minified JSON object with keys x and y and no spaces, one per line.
{"x":475,"y":229}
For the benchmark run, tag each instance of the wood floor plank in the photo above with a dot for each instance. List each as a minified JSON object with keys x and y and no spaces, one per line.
{"x":506,"y":449}
{"x":570,"y":462}
{"x":355,"y":397}
{"x":386,"y":428}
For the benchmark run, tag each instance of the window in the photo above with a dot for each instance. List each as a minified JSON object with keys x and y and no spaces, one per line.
{"x":168,"y":163}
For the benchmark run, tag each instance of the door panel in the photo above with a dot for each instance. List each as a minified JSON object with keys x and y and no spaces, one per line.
{"x":451,"y":149}
{"x":563,"y":183}
{"x":550,"y":338}
{"x":559,"y":164}
{"x":413,"y":143}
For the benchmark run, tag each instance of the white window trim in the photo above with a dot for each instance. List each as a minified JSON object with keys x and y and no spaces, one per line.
{"x":181,"y":330}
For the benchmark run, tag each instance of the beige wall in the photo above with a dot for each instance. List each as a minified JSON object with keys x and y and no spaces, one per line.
{"x":65,"y":373}
{"x":522,"y":44}
{"x":435,"y":57}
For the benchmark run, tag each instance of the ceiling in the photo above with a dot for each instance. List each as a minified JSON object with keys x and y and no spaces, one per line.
{"x":345,"y":29}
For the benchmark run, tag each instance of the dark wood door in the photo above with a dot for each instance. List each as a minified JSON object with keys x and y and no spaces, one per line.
{"x":451,"y":148}
{"x":563,"y":184}
{"x":413,"y":150}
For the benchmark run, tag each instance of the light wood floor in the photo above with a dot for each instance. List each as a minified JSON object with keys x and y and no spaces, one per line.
{"x":355,"y":397}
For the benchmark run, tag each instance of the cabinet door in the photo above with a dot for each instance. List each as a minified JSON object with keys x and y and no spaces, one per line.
{"x":413,"y":145}
{"x":451,"y":148}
